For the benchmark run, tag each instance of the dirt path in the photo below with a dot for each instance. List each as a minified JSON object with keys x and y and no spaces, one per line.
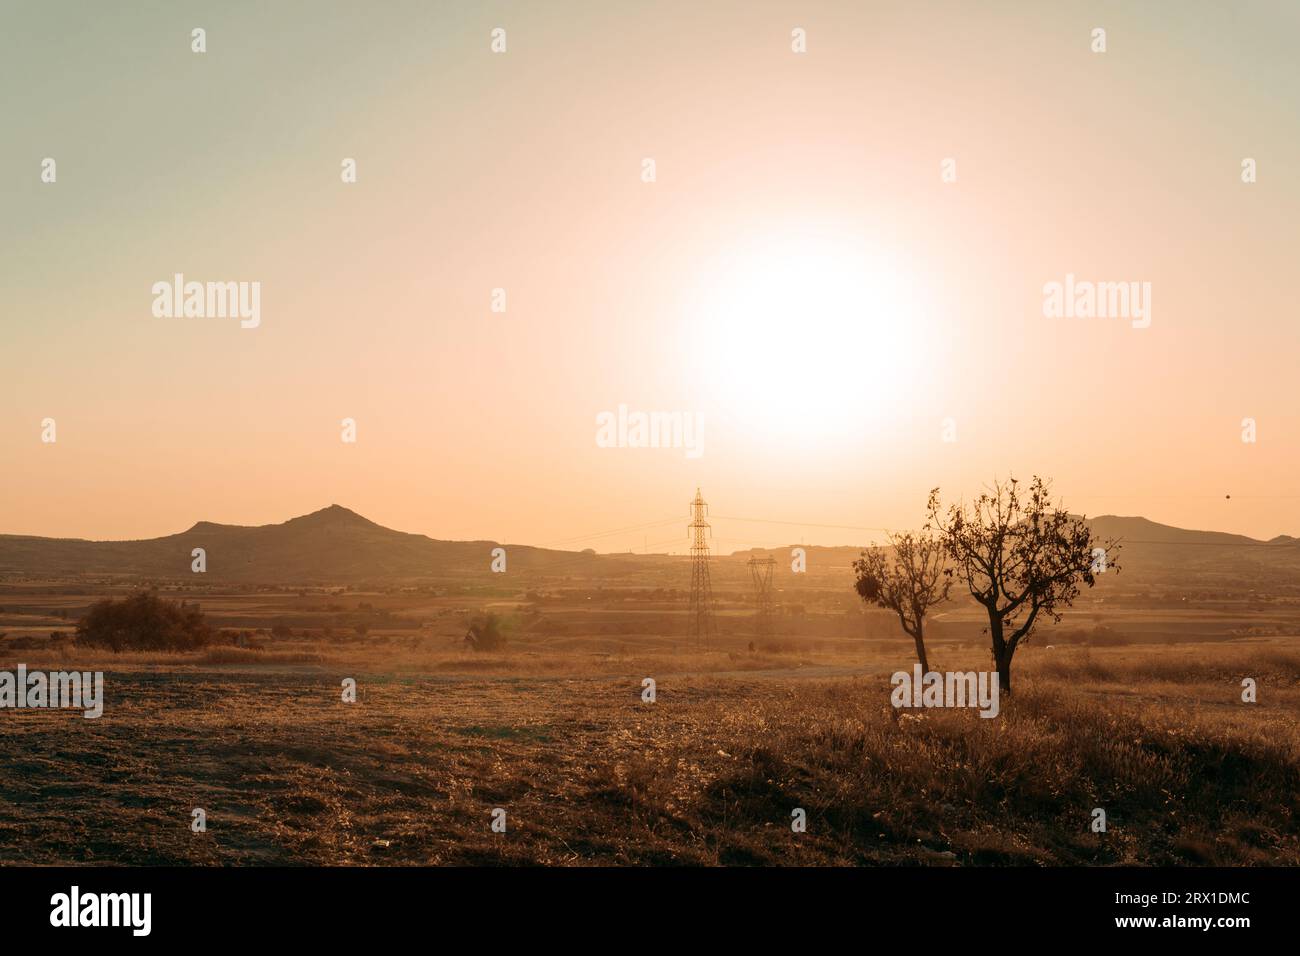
{"x":807,"y":672}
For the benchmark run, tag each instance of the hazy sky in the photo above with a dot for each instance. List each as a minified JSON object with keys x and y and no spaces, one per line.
{"x":798,"y":274}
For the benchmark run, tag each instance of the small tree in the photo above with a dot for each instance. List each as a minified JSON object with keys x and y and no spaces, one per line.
{"x":143,"y":621}
{"x":907,"y":578}
{"x":1022,"y":558}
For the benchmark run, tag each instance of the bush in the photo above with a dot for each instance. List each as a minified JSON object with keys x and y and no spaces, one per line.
{"x":485,"y":634}
{"x":143,"y":622}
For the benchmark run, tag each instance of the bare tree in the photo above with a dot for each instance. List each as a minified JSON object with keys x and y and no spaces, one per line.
{"x":907,"y":578}
{"x":1022,"y":558}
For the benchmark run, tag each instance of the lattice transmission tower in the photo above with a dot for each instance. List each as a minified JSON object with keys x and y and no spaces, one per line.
{"x":703,"y":627}
{"x":760,"y":572}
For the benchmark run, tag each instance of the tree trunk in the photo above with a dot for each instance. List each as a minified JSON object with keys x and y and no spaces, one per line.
{"x":1004,"y":672}
{"x":920,"y":652}
{"x":1001,"y":654}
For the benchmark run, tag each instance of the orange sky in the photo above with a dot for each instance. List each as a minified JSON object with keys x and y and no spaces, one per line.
{"x":798,"y":275}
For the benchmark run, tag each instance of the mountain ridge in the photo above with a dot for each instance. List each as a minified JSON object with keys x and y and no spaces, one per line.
{"x":331,"y":545}
{"x":336,"y":545}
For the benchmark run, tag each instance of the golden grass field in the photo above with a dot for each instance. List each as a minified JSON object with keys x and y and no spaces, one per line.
{"x":555,"y":732}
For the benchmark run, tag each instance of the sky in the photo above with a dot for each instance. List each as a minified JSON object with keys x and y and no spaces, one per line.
{"x":846,"y":318}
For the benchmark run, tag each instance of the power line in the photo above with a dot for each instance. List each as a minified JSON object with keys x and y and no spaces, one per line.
{"x":605,"y":534}
{"x":801,"y":524}
{"x":848,"y":527}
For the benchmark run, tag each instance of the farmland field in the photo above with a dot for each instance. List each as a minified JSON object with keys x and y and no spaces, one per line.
{"x":555,"y":732}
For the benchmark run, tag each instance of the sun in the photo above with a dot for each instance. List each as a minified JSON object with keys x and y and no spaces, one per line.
{"x":805,"y":336}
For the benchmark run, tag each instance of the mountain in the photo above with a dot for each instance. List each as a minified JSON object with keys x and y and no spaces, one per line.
{"x":330,"y":546}
{"x":1151,"y":553}
{"x":1212,"y":561}
{"x":335,"y":546}
{"x":1141,"y":531}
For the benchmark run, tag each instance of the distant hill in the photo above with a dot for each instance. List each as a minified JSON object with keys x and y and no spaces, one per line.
{"x":1145,"y":532}
{"x":330,"y":546}
{"x":1206,"y":559}
{"x":1148,"y":551}
{"x":339,"y":546}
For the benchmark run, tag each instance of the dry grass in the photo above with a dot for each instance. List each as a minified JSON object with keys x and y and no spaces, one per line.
{"x":404,"y":654}
{"x":709,"y":774}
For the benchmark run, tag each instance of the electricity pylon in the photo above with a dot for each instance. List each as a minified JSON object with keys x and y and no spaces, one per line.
{"x":703,"y":626}
{"x":760,"y":572}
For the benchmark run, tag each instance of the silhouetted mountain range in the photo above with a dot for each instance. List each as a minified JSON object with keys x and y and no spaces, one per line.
{"x":339,"y":546}
{"x":330,"y":546}
{"x":1144,"y":532}
{"x":1152,"y":551}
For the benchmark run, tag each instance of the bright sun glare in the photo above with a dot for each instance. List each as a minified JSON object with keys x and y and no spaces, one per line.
{"x":806,"y":337}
